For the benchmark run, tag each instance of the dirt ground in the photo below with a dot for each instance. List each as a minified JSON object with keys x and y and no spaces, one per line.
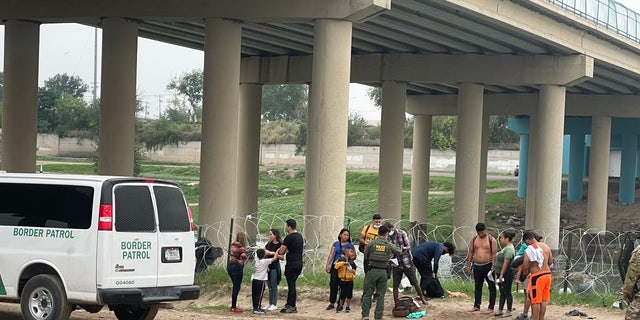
{"x":311,"y":305}
{"x":312,"y":301}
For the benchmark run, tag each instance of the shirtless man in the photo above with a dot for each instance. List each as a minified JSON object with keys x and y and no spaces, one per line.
{"x":538,"y":259}
{"x":480,"y":259}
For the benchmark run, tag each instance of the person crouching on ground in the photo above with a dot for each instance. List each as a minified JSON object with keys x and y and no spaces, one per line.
{"x":346,"y":270}
{"x":377,"y":253}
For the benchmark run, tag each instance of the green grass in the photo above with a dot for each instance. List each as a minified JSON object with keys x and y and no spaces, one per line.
{"x":361,"y":198}
{"x":361,"y":190}
{"x":88,"y":168}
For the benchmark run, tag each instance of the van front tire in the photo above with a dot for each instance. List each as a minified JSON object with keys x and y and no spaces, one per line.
{"x":44,"y":298}
{"x":135,"y":312}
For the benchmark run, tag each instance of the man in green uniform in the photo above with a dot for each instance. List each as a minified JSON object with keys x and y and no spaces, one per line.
{"x":377,"y":253}
{"x":630,"y":286}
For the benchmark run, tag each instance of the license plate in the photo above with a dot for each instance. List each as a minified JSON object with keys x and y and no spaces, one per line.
{"x":172,"y":254}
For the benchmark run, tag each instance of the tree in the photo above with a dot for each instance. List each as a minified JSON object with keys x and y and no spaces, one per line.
{"x":285,"y":102}
{"x":279,"y":132}
{"x":443,"y":135}
{"x":73,"y":116}
{"x":65,"y":84}
{"x":408,"y":132}
{"x":375,"y":95}
{"x":499,"y":133}
{"x":177,"y":115}
{"x":357,"y":133}
{"x":190,"y":86}
{"x":47,"y":117}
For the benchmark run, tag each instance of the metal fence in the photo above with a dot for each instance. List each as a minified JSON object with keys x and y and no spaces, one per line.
{"x":611,"y":14}
{"x":584,"y":263}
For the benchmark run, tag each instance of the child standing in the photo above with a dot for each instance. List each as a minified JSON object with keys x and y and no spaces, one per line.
{"x":346,"y":267}
{"x":259,"y":279}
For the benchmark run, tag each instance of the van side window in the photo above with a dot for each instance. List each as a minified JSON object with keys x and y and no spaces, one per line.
{"x":133,"y":209}
{"x":172,"y":210}
{"x":45,"y":205}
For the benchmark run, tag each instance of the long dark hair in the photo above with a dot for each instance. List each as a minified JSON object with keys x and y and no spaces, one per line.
{"x":276,"y":233}
{"x":340,"y":233}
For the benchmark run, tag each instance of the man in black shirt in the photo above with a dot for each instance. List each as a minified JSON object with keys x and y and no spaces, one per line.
{"x":292,"y":245}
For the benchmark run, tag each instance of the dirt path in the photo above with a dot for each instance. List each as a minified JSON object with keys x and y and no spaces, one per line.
{"x":312,"y":306}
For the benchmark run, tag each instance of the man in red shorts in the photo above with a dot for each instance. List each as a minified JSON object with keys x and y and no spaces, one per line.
{"x":538,"y":259}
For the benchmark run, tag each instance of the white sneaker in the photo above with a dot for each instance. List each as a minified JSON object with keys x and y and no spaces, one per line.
{"x":272,"y":307}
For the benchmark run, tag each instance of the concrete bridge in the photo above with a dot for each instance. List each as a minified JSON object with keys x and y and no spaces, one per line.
{"x":538,"y":59}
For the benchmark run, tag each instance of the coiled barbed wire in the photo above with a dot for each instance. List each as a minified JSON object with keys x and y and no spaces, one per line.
{"x":584,"y":262}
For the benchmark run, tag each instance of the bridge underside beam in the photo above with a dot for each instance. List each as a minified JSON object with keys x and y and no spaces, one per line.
{"x":586,"y":105}
{"x":193,"y":10}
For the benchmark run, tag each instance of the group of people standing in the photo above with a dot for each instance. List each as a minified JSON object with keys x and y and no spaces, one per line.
{"x":530,"y":266}
{"x":387,"y":253}
{"x":267,"y":271}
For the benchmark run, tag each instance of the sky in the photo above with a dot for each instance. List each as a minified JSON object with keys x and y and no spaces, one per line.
{"x":69,"y":48}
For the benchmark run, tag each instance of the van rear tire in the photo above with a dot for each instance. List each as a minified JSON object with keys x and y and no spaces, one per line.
{"x":135,"y":312}
{"x":44,"y":298}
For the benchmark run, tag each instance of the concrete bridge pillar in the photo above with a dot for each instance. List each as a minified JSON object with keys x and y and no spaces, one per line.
{"x":220,"y":104}
{"x":118,"y":96}
{"x":20,"y":100}
{"x":420,"y":163}
{"x":484,"y":149}
{"x":598,"y":174}
{"x":327,"y":132}
{"x":394,"y":96}
{"x":249,"y":108}
{"x":468,"y":157}
{"x":550,"y":134}
{"x":532,"y":172}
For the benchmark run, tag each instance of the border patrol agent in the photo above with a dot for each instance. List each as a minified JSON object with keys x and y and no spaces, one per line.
{"x":630,"y":286}
{"x":377,"y":253}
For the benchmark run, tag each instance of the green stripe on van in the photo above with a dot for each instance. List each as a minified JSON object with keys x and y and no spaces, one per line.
{"x":2,"y":291}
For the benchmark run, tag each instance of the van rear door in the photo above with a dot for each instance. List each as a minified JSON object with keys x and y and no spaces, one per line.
{"x":135,"y":238}
{"x":175,"y":237}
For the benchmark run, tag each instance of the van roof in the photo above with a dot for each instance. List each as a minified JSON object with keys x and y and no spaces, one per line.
{"x":77,"y":177}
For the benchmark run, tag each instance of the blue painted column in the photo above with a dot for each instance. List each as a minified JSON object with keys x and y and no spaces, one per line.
{"x":524,"y":166}
{"x":576,"y":167}
{"x":628,"y":167}
{"x":638,"y":164}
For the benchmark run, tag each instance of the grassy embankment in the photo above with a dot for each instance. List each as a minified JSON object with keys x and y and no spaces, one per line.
{"x":361,"y":201}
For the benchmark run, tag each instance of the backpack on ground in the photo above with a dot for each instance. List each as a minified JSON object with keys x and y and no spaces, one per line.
{"x":431,"y":287}
{"x":404,"y":307}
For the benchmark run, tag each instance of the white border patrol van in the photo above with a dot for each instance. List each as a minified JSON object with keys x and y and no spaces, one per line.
{"x":78,"y":241}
